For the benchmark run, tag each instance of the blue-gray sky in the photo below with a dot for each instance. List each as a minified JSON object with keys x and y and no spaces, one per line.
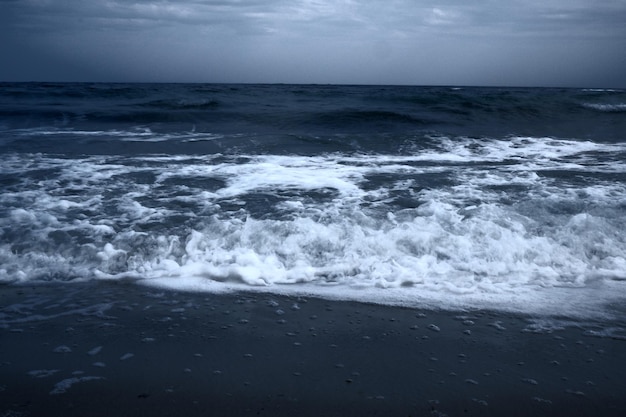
{"x":418,"y":42}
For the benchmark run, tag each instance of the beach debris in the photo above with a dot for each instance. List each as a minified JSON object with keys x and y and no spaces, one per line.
{"x":42,"y":373}
{"x":62,"y":349}
{"x":542,"y":400}
{"x":434,"y":327}
{"x":95,"y":351}
{"x":62,"y":386}
{"x":576,"y":393}
{"x":498,"y":325}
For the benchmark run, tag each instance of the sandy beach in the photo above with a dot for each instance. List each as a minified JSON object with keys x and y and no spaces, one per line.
{"x":120,"y":349}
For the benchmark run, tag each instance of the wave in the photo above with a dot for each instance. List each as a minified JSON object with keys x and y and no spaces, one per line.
{"x":607,"y":108}
{"x":507,"y":198}
{"x":349,"y":118}
{"x":601,"y":90}
{"x":300,"y":110}
{"x":435,"y":254}
{"x":183,"y":104}
{"x":473,"y":222}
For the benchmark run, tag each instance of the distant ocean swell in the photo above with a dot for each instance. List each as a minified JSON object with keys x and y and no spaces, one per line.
{"x":331,"y":196}
{"x":310,"y":109}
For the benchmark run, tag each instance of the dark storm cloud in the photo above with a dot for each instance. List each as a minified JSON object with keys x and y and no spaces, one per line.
{"x":562,"y":16}
{"x":370,"y":41}
{"x":53,"y":16}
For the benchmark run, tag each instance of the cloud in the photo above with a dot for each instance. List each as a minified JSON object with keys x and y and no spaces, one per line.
{"x":441,"y":17}
{"x":299,"y":16}
{"x":434,"y":41}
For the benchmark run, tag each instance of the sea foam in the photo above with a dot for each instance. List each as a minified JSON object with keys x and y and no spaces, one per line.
{"x":514,"y":223}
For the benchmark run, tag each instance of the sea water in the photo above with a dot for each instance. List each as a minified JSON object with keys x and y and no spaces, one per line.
{"x":504,"y":198}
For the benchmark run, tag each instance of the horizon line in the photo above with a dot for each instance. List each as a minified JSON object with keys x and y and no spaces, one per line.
{"x":318,"y":84}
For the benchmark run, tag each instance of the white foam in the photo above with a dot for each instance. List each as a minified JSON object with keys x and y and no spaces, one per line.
{"x":492,"y":234}
{"x":601,"y":90}
{"x":609,"y":108}
{"x":439,"y":257}
{"x":135,"y":134}
{"x":272,"y":172}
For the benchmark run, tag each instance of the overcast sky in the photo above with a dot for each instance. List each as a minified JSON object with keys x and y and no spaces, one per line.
{"x":418,"y":42}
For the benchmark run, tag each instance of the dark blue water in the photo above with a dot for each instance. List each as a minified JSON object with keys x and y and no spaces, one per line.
{"x":505,"y":198}
{"x":297,"y":119}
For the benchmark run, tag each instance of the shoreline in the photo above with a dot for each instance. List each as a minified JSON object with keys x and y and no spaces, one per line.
{"x":122,"y":349}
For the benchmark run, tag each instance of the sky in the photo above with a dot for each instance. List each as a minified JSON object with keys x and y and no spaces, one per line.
{"x":575,"y":43}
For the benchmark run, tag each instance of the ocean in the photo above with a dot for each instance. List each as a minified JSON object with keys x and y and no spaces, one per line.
{"x":511,"y":199}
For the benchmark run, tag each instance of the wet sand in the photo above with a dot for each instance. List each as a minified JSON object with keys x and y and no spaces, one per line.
{"x":120,"y":349}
